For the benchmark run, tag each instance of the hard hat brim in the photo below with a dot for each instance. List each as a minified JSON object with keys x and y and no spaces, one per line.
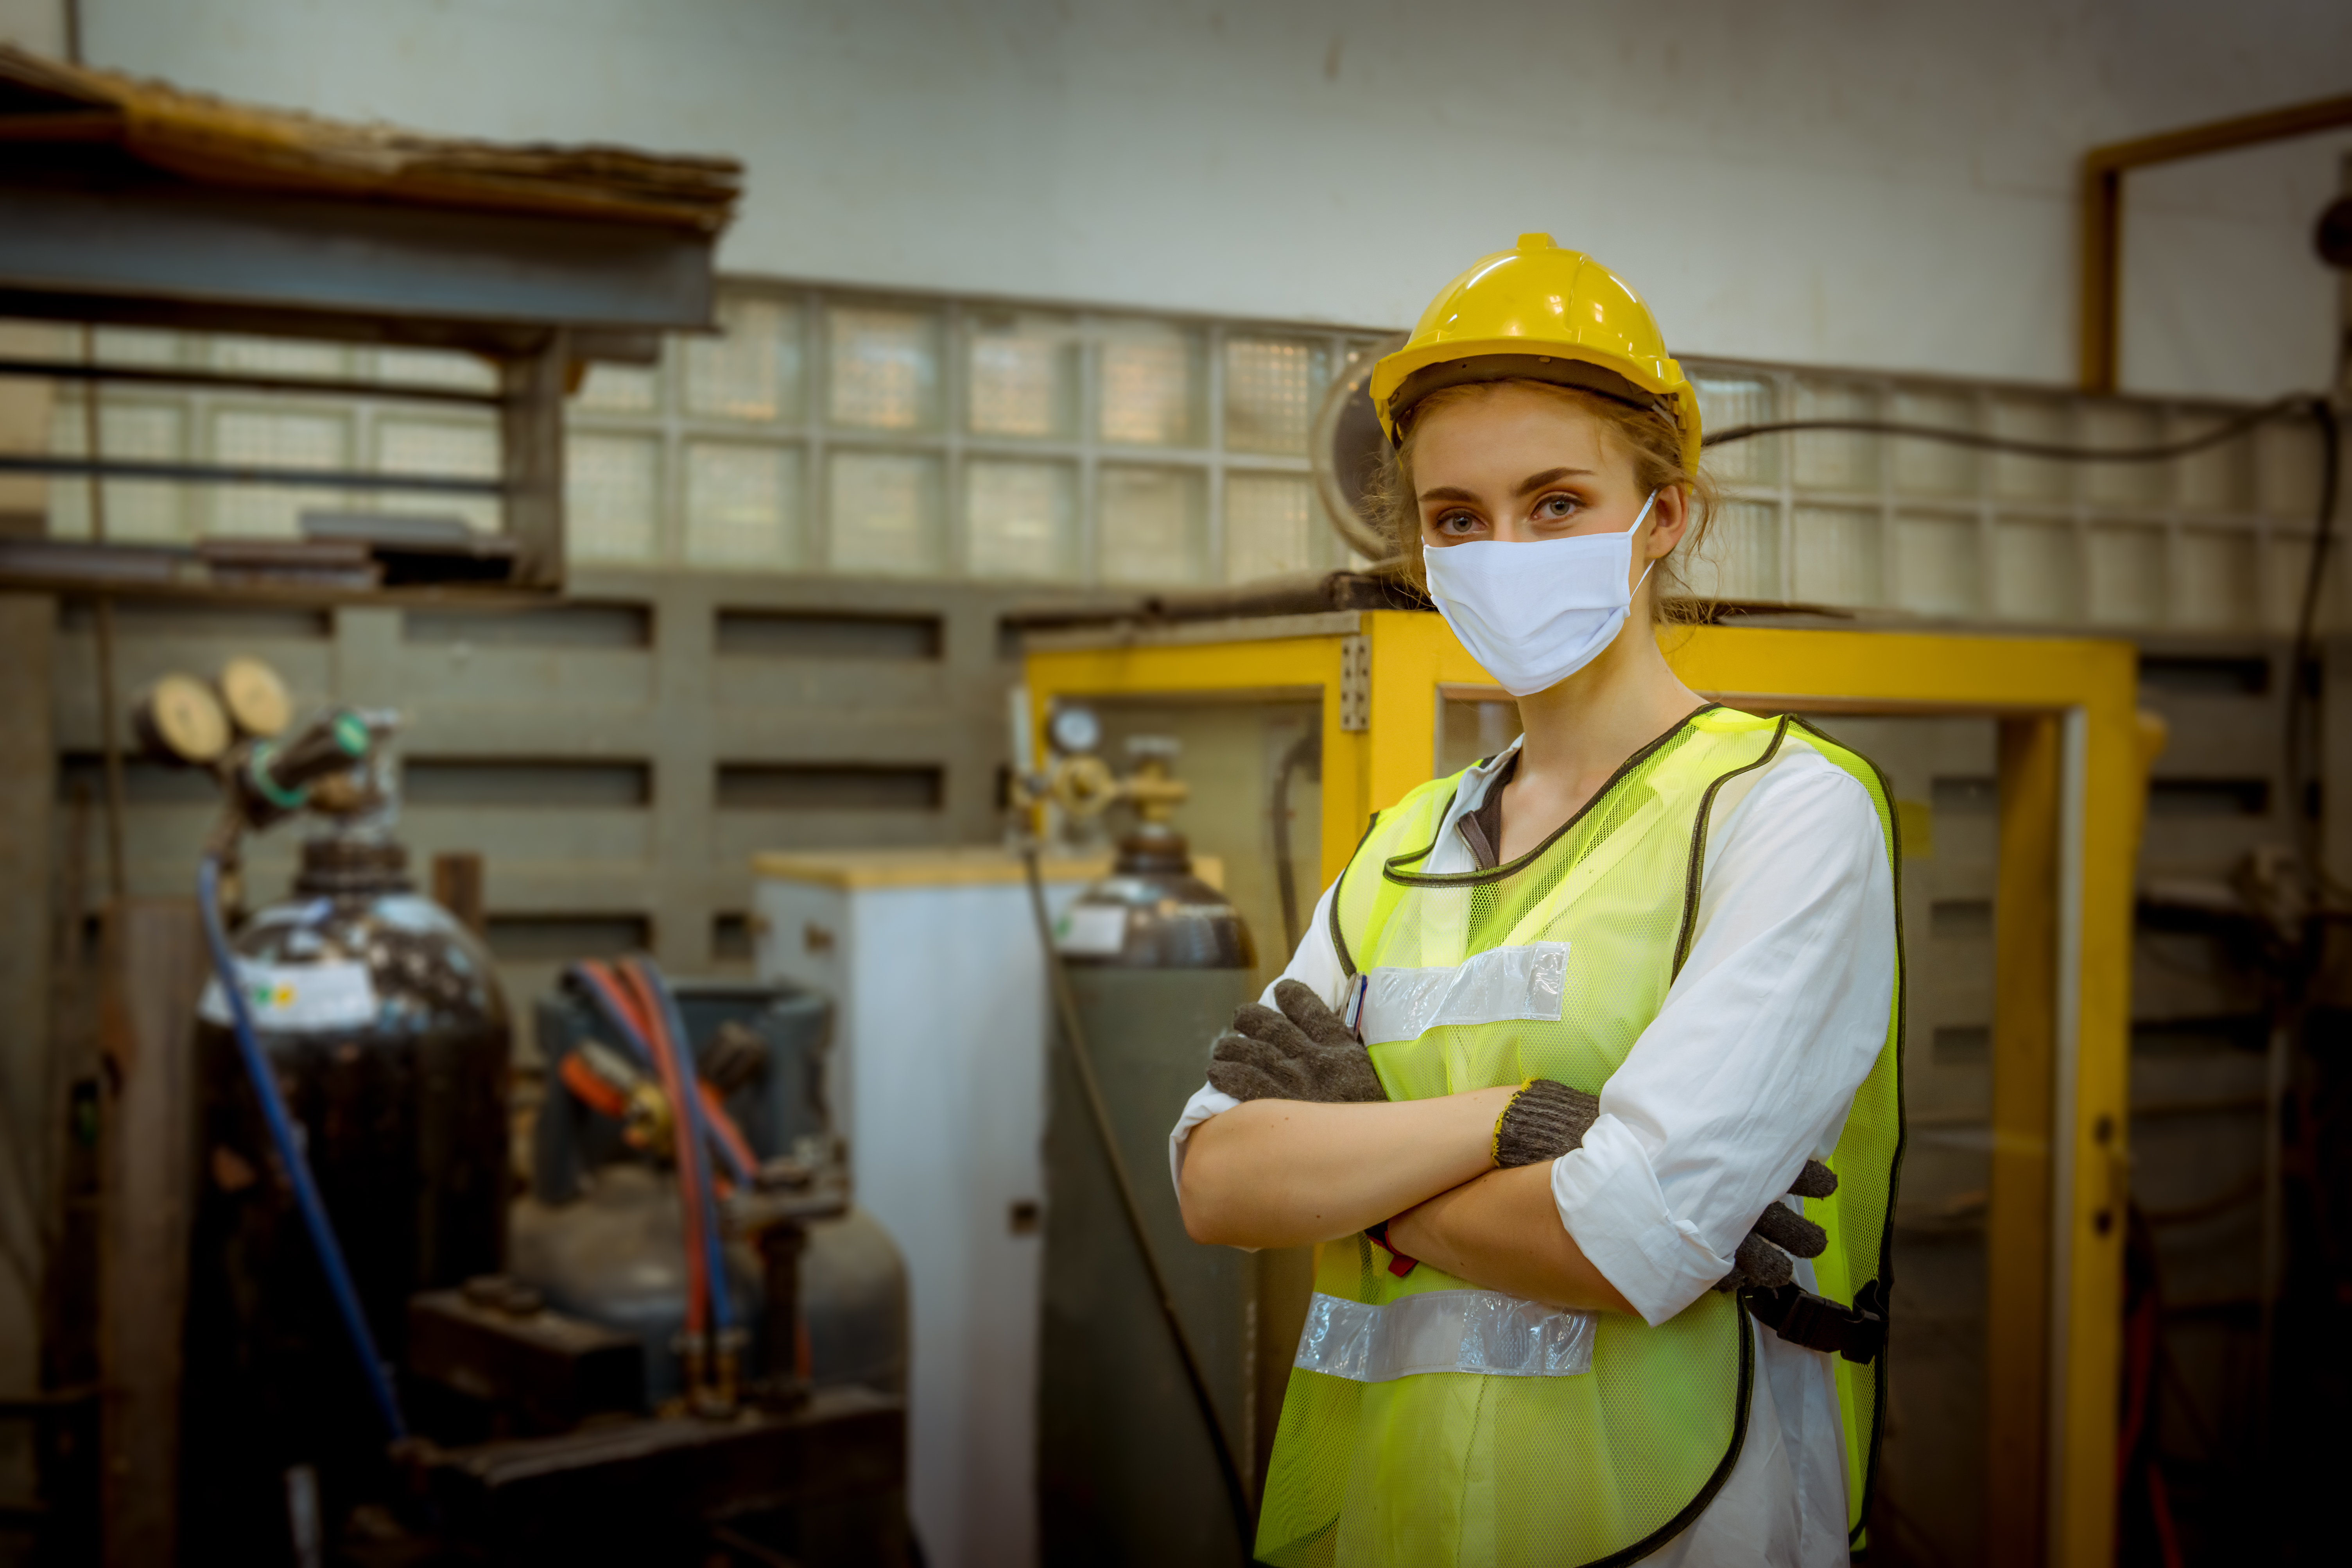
{"x":1404,"y":378}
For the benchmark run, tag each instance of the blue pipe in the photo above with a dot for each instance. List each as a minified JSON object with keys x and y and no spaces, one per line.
{"x":606,"y":1010}
{"x":602,"y":1003}
{"x":290,"y":1151}
{"x":721,"y":1308}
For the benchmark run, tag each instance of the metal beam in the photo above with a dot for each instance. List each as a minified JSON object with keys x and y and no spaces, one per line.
{"x":246,"y":474}
{"x":186,"y":246}
{"x":324,"y":387}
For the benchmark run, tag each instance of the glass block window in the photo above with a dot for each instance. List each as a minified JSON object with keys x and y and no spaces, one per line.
{"x":611,"y":497}
{"x":1272,"y":386}
{"x":1021,"y":373}
{"x":753,"y":368}
{"x":411,"y":444}
{"x":2019,"y":477}
{"x":882,"y":368}
{"x":619,"y":389}
{"x":2035,"y":572}
{"x":821,"y":431}
{"x":1271,"y":528}
{"x":279,"y":356}
{"x":1020,"y":520}
{"x":1154,"y":527}
{"x":885,"y":514}
{"x":1933,"y":467}
{"x":136,"y":512}
{"x":2218,"y":587}
{"x":149,"y":346}
{"x":1836,"y":556}
{"x":742,"y":505}
{"x":1937,"y":565}
{"x":1728,"y":401}
{"x":1151,"y":385}
{"x":1835,"y":459}
{"x":1741,"y":557}
{"x":292,"y":437}
{"x":2126,"y":576}
{"x":433,"y":367}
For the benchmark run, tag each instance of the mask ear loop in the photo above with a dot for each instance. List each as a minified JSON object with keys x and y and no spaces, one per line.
{"x":1653,"y":560}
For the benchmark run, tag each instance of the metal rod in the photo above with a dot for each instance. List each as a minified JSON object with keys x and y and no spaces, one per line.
{"x":109,"y":742}
{"x":2274,"y":1082}
{"x":325,"y":387}
{"x":240,"y":474}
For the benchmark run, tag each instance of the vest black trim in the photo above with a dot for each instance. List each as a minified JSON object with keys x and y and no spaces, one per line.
{"x":1884,"y":1284}
{"x":1391,"y":868}
{"x":1698,"y":843}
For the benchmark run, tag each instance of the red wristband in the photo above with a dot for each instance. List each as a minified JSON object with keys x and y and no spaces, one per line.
{"x":1399,"y":1264}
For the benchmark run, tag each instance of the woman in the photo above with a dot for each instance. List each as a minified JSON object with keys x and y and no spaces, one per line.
{"x":1570,"y":1025}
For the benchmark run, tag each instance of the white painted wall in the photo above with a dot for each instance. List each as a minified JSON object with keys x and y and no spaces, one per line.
{"x":1879,"y":182}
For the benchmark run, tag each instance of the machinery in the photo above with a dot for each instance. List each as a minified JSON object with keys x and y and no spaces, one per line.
{"x":690,"y":1342}
{"x":387,"y":1035}
{"x":1146,"y":1388}
{"x":600,"y":1236}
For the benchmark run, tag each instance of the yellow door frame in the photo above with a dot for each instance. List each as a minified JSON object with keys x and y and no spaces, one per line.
{"x":2070,"y":792}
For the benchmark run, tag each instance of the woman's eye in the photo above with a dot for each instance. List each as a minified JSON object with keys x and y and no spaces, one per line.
{"x":1555,"y":508}
{"x":1456,"y":522}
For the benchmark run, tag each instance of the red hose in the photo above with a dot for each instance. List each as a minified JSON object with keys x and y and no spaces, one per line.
{"x":723,"y":1128}
{"x":630,"y":993}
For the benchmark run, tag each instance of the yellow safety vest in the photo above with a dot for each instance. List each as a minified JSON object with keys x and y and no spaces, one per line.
{"x":1430,"y":1423}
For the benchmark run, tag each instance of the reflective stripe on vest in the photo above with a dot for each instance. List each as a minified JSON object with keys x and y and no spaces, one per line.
{"x":1430,"y":1422}
{"x":1495,"y":987}
{"x":1443,"y":1330}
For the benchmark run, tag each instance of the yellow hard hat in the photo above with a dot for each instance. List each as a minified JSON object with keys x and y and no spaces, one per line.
{"x":1546,"y":314}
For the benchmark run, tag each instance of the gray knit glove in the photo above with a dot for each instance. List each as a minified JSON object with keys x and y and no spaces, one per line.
{"x":1544,"y":1121}
{"x":1780,"y":1234}
{"x":1303,"y":1052}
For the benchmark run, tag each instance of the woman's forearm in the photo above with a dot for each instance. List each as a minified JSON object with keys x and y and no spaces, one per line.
{"x":1501,"y":1230}
{"x":1282,"y":1172}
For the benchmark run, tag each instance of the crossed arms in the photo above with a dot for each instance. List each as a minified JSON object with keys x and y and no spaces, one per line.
{"x":1281,"y":1172}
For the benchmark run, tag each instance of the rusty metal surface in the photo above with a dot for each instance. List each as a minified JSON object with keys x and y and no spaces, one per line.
{"x":545,"y":1368}
{"x":537,"y":1497}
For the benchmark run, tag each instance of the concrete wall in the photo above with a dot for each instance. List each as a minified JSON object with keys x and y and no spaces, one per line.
{"x":1880,"y":184}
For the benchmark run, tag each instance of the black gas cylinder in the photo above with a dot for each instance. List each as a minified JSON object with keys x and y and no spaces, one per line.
{"x":383,"y":1019}
{"x":1157,"y":961}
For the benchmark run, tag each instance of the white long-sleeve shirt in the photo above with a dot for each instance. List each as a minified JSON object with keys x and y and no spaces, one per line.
{"x":1749,"y":1068}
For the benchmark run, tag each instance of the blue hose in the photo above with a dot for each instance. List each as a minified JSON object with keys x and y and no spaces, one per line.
{"x":722,"y":1315}
{"x":290,"y":1151}
{"x":602,"y":1005}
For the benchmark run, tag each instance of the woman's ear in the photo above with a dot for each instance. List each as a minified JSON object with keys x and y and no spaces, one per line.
{"x":1668,"y":519}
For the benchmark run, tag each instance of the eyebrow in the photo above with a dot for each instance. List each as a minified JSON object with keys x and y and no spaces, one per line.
{"x":1527,"y":486}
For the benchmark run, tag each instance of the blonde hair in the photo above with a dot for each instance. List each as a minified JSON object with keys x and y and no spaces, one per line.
{"x":1648,"y":435}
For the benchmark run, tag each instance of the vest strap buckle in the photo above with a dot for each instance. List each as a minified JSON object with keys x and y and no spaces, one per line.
{"x":1857,"y":1332}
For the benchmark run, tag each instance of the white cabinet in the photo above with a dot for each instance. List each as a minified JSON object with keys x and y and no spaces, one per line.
{"x":937,"y":1076}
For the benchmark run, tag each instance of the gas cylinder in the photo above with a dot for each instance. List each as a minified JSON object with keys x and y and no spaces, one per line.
{"x":383,"y":1020}
{"x":600,"y":1235}
{"x":1157,"y":961}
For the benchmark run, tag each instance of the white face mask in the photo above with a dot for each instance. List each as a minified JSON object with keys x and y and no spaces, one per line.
{"x":1533,"y":614}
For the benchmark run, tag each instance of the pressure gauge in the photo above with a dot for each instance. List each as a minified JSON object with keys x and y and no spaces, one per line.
{"x":1075,"y":730}
{"x":255,"y":697}
{"x":181,"y":717}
